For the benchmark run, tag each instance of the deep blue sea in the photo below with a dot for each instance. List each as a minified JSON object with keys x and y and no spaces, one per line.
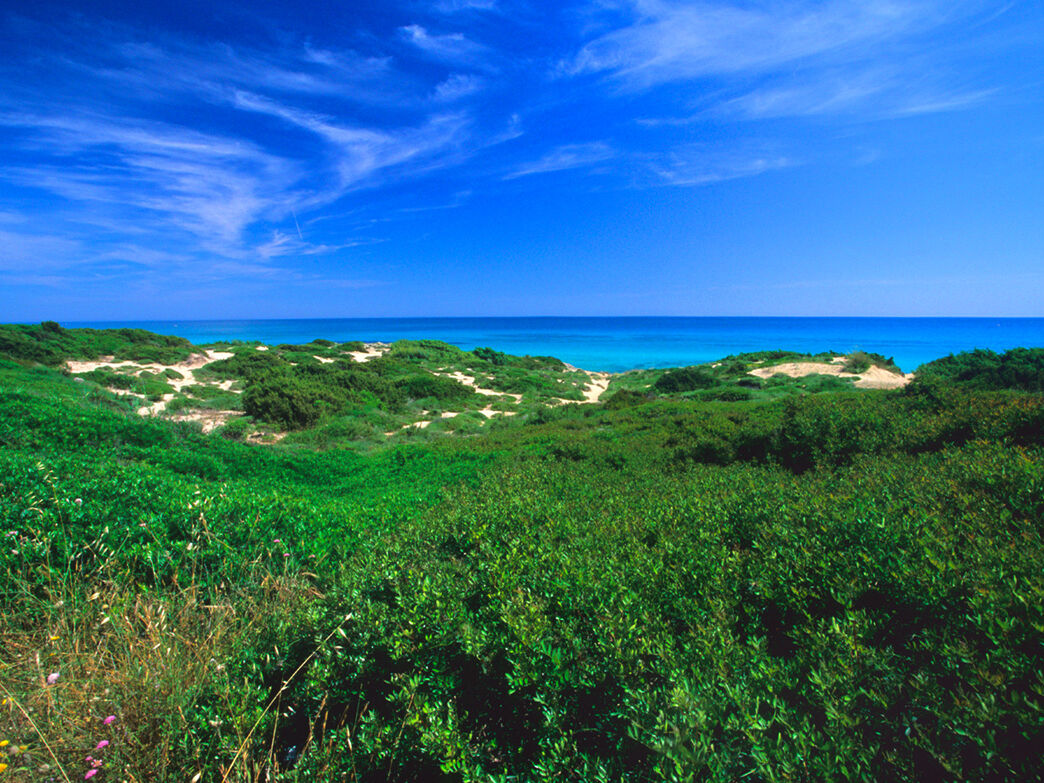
{"x":618,"y":344}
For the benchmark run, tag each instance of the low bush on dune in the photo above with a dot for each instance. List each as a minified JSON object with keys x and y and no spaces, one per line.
{"x":444,"y":390}
{"x":685,"y":379}
{"x":1019,"y":368}
{"x":51,"y":344}
{"x":861,"y":361}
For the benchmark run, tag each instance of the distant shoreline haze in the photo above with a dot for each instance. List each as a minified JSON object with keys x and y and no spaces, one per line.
{"x":617,"y":344}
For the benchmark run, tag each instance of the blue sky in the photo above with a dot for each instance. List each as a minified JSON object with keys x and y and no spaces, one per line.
{"x":514,"y":157}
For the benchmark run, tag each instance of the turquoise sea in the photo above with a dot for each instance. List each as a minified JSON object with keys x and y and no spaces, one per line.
{"x":618,"y":344}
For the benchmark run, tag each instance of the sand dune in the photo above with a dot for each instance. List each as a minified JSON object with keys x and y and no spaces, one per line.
{"x":874,"y":378}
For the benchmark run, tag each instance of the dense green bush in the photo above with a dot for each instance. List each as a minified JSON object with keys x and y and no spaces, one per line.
{"x":51,"y":344}
{"x":685,"y":379}
{"x":446,"y":390}
{"x":1019,"y":368}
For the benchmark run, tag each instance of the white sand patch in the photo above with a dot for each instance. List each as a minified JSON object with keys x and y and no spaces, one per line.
{"x":874,"y":378}
{"x":186,"y":369}
{"x":371,"y":351}
{"x":262,"y":347}
{"x":325,"y":360}
{"x":469,"y":380}
{"x":597,"y":387}
{"x":489,"y":413}
{"x":265,"y":438}
{"x":156,"y":407}
{"x":209,"y":419}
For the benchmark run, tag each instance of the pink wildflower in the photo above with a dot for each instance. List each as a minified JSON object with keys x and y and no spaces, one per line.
{"x":286,"y":554}
{"x":277,"y":540}
{"x":89,"y":774}
{"x":102,"y":744}
{"x":52,"y":678}
{"x":108,"y":720}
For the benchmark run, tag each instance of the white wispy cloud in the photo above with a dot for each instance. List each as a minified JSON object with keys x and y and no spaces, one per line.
{"x":447,"y":47}
{"x":675,"y":41}
{"x":699,"y":164}
{"x":210,"y":186}
{"x":455,"y":6}
{"x":867,"y":58}
{"x":182,"y":182}
{"x":566,"y":156}
{"x":360,"y":152}
{"x":457,"y":86}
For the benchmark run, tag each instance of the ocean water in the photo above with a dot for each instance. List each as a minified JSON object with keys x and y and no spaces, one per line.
{"x":619,"y":344}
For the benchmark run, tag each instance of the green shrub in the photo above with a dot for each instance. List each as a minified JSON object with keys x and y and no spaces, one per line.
{"x":1019,"y":368}
{"x":285,"y":400}
{"x":857,"y":362}
{"x":625,"y":398}
{"x":728,"y":394}
{"x":444,"y":390}
{"x":685,"y":379}
{"x":236,"y":429}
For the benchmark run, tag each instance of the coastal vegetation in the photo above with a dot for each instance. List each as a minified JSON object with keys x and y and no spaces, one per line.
{"x":723,"y":572}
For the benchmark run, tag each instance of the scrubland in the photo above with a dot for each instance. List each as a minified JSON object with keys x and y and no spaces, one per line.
{"x":705,"y":575}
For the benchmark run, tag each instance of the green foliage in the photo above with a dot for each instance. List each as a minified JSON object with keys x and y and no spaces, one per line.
{"x":1019,"y":368}
{"x":425,"y":350}
{"x":284,"y":399}
{"x":444,"y":390}
{"x":857,"y":362}
{"x":861,"y":361}
{"x":50,"y":344}
{"x":685,"y":379}
{"x":625,"y":398}
{"x":248,"y":365}
{"x":236,"y":429}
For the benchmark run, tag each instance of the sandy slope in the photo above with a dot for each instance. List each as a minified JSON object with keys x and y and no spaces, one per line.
{"x":874,"y":378}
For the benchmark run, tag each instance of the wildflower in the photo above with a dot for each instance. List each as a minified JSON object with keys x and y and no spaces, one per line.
{"x":78,"y":501}
{"x":4,"y":743}
{"x":286,"y":554}
{"x":52,"y":678}
{"x":277,"y":540}
{"x":102,"y":744}
{"x":109,"y":720}
{"x":3,"y":767}
{"x":90,"y":774}
{"x":142,"y":524}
